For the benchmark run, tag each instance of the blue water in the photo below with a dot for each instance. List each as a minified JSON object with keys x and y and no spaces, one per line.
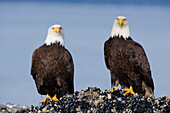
{"x":23,"y":28}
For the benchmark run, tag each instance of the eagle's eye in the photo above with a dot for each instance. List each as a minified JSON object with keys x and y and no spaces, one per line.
{"x":125,"y":19}
{"x":52,"y":28}
{"x":61,"y":28}
{"x":117,"y":18}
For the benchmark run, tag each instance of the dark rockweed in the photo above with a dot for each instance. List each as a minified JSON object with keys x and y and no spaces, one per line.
{"x":94,"y":100}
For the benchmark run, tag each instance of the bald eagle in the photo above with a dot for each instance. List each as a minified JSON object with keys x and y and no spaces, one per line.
{"x":127,"y":61}
{"x":52,"y":66}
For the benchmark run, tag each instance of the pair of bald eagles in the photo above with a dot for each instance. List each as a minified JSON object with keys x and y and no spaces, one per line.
{"x":53,"y":68}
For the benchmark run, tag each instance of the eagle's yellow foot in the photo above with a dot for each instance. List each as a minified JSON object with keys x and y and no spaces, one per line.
{"x":116,"y":88}
{"x":55,"y":98}
{"x":47,"y":97}
{"x":130,"y":90}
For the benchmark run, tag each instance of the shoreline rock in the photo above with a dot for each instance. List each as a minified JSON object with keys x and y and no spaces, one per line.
{"x":93,"y":100}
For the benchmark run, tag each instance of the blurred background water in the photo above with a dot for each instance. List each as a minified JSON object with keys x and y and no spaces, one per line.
{"x":23,"y":28}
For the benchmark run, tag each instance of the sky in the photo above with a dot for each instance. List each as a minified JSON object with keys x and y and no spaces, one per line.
{"x":136,"y":2}
{"x":24,"y":25}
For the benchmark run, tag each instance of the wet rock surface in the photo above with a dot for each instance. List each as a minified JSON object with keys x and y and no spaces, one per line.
{"x":93,"y":100}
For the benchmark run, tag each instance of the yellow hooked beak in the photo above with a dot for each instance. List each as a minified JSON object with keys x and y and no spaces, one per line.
{"x":57,"y":29}
{"x":121,"y":21}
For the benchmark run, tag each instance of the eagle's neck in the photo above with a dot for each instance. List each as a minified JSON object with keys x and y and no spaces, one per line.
{"x":120,"y":37}
{"x":54,"y":38}
{"x":120,"y":31}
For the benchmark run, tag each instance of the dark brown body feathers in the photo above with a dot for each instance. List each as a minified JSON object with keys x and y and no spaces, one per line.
{"x":53,"y":70}
{"x":128,"y":64}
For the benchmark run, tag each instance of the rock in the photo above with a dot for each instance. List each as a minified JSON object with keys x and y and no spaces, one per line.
{"x":109,"y":96}
{"x":93,"y":100}
{"x":113,"y":110}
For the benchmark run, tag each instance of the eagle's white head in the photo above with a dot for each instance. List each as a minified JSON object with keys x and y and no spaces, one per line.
{"x":55,"y":35}
{"x":120,"y":27}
